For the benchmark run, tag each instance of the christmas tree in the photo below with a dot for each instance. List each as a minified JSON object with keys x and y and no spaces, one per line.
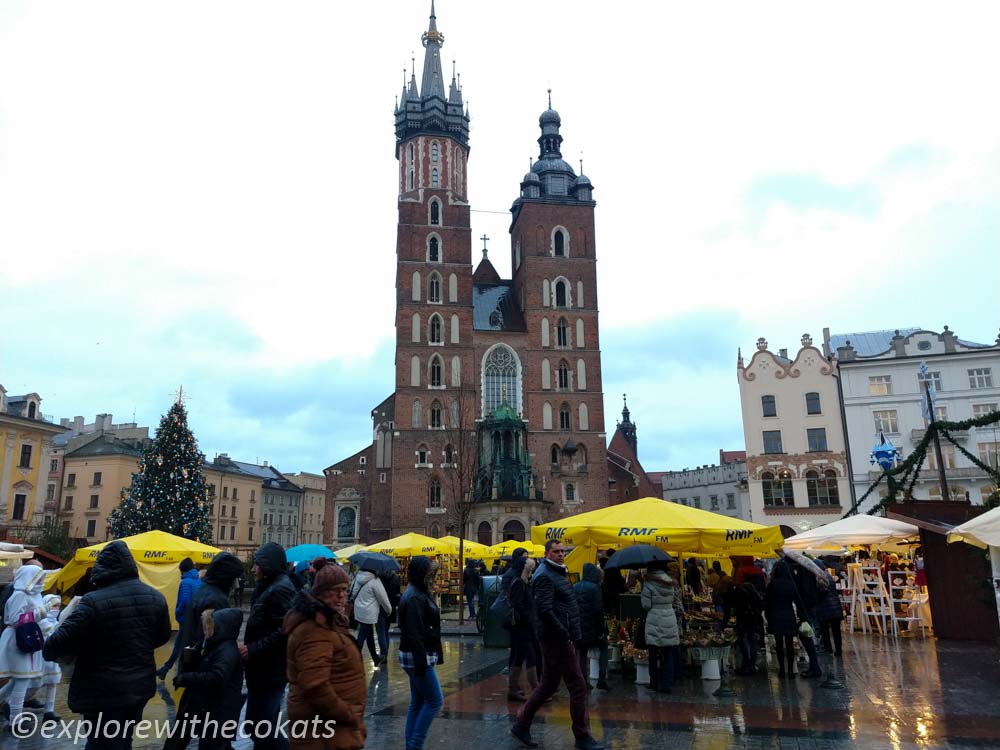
{"x":168,"y":491}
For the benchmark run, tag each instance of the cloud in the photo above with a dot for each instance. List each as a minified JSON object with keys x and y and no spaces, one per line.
{"x":805,"y":192}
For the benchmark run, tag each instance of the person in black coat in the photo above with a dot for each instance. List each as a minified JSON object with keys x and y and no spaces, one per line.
{"x":612,"y":588}
{"x":264,"y":645}
{"x":215,"y":686}
{"x":807,"y":586}
{"x":470,"y":585}
{"x":593,"y":631}
{"x":524,"y":656}
{"x":745,"y":601}
{"x":420,"y":649}
{"x":390,"y":582}
{"x":112,"y":633}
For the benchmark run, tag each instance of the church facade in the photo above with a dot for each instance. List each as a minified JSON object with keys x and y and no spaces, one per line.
{"x":498,"y":394}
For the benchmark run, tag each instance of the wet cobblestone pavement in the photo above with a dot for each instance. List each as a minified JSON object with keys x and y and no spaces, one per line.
{"x":898,"y":695}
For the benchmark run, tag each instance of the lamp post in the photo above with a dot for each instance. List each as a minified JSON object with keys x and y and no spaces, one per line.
{"x":928,"y":408}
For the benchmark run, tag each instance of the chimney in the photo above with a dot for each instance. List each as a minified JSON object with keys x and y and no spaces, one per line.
{"x":264,"y":464}
{"x":783,"y":353}
{"x":64,"y":422}
{"x":78,"y":425}
{"x":846,"y":352}
{"x":898,"y":344}
{"x":949,"y":340}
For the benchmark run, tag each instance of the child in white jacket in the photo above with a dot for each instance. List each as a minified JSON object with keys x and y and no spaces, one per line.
{"x":51,"y":671}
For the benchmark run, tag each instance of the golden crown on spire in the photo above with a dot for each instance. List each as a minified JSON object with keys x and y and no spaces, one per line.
{"x":432,"y":36}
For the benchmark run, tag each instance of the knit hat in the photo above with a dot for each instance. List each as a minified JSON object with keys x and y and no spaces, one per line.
{"x":328,"y":578}
{"x":186,"y":564}
{"x":318,"y":563}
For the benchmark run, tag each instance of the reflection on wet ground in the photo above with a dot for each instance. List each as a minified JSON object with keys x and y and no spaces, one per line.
{"x":897,"y":695}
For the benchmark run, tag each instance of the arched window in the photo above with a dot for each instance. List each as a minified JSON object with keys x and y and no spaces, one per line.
{"x":347,"y":523}
{"x":562,"y":294}
{"x":584,"y":420}
{"x":579,"y":334}
{"x":581,"y":375}
{"x":435,"y":209}
{"x":435,"y":178}
{"x":31,"y":410}
{"x":454,"y":329}
{"x":417,"y":413}
{"x":570,"y":493}
{"x":436,"y":422}
{"x":559,"y":243}
{"x":546,"y":287}
{"x":415,"y":291}
{"x":410,"y":154}
{"x":581,"y":455}
{"x":453,"y":288}
{"x":554,"y":454}
{"x":454,"y":414}
{"x":435,"y":152}
{"x":423,"y":455}
{"x":545,"y":331}
{"x":562,"y":333}
{"x":546,"y":375}
{"x":768,"y":407}
{"x":435,"y":378}
{"x":435,"y":531}
{"x":546,"y":416}
{"x":415,"y":328}
{"x":414,"y":371}
{"x":456,"y":372}
{"x":579,"y":294}
{"x":435,"y":330}
{"x":564,"y":375}
{"x":433,"y":250}
{"x":410,"y":161}
{"x":411,"y":178}
{"x":434,"y":287}
{"x":484,"y":534}
{"x":513,"y":530}
{"x":777,"y":491}
{"x":823,"y":489}
{"x":565,"y":418}
{"x":501,"y":379}
{"x":449,"y":454}
{"x":434,"y":498}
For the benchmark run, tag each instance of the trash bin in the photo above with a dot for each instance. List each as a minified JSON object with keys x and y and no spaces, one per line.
{"x":494,"y":634}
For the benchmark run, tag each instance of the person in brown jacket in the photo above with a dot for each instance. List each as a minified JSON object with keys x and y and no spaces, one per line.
{"x":326,"y":679}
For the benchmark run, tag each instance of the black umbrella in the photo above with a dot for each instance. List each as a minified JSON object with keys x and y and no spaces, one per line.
{"x":637,"y":556}
{"x":374,"y":562}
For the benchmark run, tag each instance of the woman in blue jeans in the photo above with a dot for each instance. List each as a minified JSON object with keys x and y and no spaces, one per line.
{"x":420,"y":649}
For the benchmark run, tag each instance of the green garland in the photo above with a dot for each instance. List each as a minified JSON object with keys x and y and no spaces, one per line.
{"x":906,"y":472}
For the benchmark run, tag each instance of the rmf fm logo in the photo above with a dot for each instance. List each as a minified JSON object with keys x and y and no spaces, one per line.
{"x":736,"y":535}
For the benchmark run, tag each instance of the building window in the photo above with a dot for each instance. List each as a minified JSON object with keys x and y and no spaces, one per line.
{"x":484,"y":533}
{"x":71,"y":480}
{"x":768,"y":407}
{"x":564,"y":376}
{"x":234,"y":493}
{"x":31,"y":410}
{"x":934,"y":378}
{"x":696,"y":502}
{"x":417,"y":413}
{"x":435,"y":152}
{"x":554,"y":454}
{"x":565,"y":422}
{"x":822,"y":490}
{"x":947,"y":453}
{"x":559,"y":244}
{"x":812,"y":404}
{"x":436,"y":371}
{"x":222,"y":511}
{"x":50,"y":492}
{"x":730,"y":501}
{"x":981,"y":377}
{"x":713,"y":502}
{"x":54,"y":465}
{"x":251,"y":514}
{"x":225,"y":492}
{"x":434,"y":499}
{"x":562,"y":294}
{"x":435,"y":178}
{"x":91,"y":527}
{"x":562,"y":333}
{"x":885,"y":420}
{"x":94,"y":500}
{"x":19,"y":502}
{"x":500,"y":379}
{"x":981,"y":410}
{"x":422,"y":455}
{"x":68,"y":502}
{"x":434,"y":288}
{"x":940,"y":415}
{"x":435,"y":332}
{"x":816,"y":437}
{"x":989,"y":453}
{"x":436,"y":416}
{"x":97,"y":479}
{"x":772,"y":441}
{"x":777,"y":491}
{"x":880,"y":385}
{"x":570,"y":493}
{"x":381,"y":477}
{"x":435,"y":213}
{"x":433,"y":250}
{"x":25,"y":462}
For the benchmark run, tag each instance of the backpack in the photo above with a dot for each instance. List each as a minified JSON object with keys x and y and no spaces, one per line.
{"x":28,"y":635}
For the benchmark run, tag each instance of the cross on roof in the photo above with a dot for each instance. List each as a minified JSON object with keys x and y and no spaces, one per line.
{"x":485,"y":239}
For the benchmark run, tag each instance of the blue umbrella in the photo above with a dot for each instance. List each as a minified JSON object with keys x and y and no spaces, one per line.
{"x":308,"y":552}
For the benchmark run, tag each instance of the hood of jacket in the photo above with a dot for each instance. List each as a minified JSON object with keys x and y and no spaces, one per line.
{"x":227,"y":625}
{"x":223,"y":570}
{"x":591,"y":573}
{"x":28,"y":577}
{"x":361,"y":579}
{"x":271,"y":559}
{"x":420,"y":571}
{"x":190,"y":575}
{"x":660,"y":577}
{"x":114,"y":563}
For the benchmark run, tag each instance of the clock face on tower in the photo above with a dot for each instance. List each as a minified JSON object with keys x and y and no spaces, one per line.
{"x":345,"y":523}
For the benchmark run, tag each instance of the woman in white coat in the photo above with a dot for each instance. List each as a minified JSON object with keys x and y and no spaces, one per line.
{"x":24,"y":669}
{"x":368,"y":596}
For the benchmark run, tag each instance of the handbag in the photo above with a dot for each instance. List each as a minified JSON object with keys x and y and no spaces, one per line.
{"x":28,"y":635}
{"x":805,"y":629}
{"x":502,"y":610}
{"x":349,"y":607}
{"x":190,"y":658}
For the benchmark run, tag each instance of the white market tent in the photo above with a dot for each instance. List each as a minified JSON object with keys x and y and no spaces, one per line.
{"x":981,"y":531}
{"x":853,"y":531}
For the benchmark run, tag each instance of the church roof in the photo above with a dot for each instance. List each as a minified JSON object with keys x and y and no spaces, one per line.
{"x":485,"y":273}
{"x":495,"y":309}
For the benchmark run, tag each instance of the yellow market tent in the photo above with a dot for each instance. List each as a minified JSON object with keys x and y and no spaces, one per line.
{"x":471,"y":549}
{"x":670,"y":526}
{"x":508,"y":547}
{"x":346,"y":552}
{"x":411,"y":544}
{"x":157,"y":555}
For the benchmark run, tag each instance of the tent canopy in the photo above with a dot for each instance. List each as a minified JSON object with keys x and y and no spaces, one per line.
{"x":471,"y":549}
{"x":407,"y":545}
{"x":508,"y":547}
{"x":669,"y":526}
{"x":981,"y":531}
{"x":346,"y":552}
{"x":853,"y":531}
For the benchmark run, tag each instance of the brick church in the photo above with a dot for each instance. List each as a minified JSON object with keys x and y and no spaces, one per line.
{"x":498,"y":391}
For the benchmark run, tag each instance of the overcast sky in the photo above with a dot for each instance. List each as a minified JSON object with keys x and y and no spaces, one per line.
{"x":204,"y":193}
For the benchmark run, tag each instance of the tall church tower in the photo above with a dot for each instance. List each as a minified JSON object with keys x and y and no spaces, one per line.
{"x":433,"y":295}
{"x":554,"y":262}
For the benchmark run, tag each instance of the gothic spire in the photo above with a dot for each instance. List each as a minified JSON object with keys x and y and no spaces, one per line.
{"x":432,"y":83}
